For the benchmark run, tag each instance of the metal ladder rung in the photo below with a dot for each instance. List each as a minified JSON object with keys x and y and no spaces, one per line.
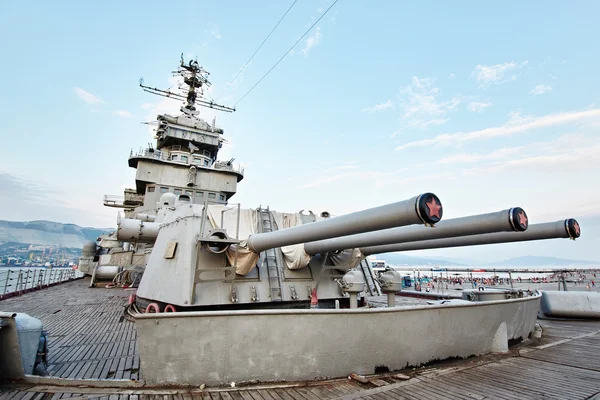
{"x":270,"y":257}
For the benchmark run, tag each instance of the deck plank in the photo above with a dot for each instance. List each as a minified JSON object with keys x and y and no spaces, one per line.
{"x":88,"y":338}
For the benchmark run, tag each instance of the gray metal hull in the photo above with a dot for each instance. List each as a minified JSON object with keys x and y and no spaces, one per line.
{"x":277,"y":345}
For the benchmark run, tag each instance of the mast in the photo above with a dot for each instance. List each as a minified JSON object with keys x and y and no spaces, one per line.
{"x":196,"y":78}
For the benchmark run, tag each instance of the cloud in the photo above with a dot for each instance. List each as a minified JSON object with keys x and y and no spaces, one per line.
{"x":312,"y":41}
{"x":582,"y":157}
{"x":563,"y":153}
{"x":540,"y":89}
{"x":88,"y":97}
{"x":487,"y":75}
{"x":472,"y":158}
{"x":378,"y":107}
{"x":557,"y":145}
{"x":477,"y":106}
{"x":213,"y":30}
{"x":330,"y":178}
{"x":452,"y":76}
{"x":232,"y":85}
{"x":123,"y":114}
{"x":343,"y":167}
{"x":22,"y":199}
{"x":515,"y":125}
{"x":420,"y":105}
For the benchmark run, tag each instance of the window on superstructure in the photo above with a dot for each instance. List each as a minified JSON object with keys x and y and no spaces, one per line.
{"x":222,"y":197}
{"x":164,"y":189}
{"x":189,"y":193}
{"x":184,"y":159}
{"x":150,"y":189}
{"x":199,"y":194}
{"x":212,"y":195}
{"x":174,"y":157}
{"x":206,"y":163}
{"x":197,"y":160}
{"x":177,"y":191}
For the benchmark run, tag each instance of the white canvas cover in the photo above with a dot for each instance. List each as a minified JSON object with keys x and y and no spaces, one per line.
{"x":294,"y":256}
{"x":246,"y":259}
{"x":350,"y":258}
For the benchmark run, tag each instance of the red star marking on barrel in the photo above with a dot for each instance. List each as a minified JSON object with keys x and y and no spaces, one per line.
{"x":576,"y":227}
{"x":522,"y":219}
{"x":434,"y":208}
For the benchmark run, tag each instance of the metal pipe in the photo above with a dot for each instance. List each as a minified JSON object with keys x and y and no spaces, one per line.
{"x":513,"y":219}
{"x":135,"y":230}
{"x":391,"y":299}
{"x":145,"y":217}
{"x":568,"y":228}
{"x":6,"y":281}
{"x":353,"y":300}
{"x":423,"y":209}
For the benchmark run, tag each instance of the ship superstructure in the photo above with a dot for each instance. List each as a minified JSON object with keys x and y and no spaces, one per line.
{"x":226,"y":294}
{"x":183,"y":162}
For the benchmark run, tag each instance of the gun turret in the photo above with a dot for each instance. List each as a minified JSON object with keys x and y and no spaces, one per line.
{"x":514,"y":220}
{"x":423,"y":209}
{"x":566,"y":229}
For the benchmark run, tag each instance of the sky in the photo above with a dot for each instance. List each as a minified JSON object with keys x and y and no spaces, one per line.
{"x":489,"y":106}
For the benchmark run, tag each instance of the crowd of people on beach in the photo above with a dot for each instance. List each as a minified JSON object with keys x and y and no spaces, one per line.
{"x":587,"y":278}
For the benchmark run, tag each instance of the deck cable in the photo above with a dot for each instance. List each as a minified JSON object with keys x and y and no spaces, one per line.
{"x":259,"y":47}
{"x":286,"y":53}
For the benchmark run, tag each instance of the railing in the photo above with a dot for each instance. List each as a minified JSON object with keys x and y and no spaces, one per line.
{"x":229,"y":167}
{"x":110,"y":200}
{"x":166,"y":156}
{"x":132,"y":198}
{"x":15,"y":282}
{"x":152,"y":154}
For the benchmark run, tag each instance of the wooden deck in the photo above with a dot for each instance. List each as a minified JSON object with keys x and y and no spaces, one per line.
{"x":89,"y":338}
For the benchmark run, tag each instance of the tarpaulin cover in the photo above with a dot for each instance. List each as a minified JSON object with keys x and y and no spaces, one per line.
{"x":349,"y":259}
{"x":226,"y":217}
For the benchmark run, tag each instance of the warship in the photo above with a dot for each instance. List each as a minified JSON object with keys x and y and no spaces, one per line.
{"x":230,"y":294}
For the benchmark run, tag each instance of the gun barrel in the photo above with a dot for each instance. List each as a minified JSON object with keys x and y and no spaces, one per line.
{"x":568,"y":228}
{"x":423,"y":209}
{"x":513,"y":219}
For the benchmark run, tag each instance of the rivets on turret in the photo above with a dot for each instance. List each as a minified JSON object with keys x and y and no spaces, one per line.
{"x":294,"y":295}
{"x":234,"y":295}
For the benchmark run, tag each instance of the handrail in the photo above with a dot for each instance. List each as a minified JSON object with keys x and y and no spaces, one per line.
{"x":22,"y":280}
{"x":165,"y":155}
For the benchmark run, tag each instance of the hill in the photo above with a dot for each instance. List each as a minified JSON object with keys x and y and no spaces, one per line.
{"x":48,"y":232}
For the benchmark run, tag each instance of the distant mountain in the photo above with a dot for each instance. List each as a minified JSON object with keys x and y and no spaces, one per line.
{"x":537,"y":261}
{"x":401,"y":259}
{"x":48,"y":232}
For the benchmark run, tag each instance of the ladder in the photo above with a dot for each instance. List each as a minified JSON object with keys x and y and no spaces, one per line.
{"x":372,"y":284}
{"x":269,"y":256}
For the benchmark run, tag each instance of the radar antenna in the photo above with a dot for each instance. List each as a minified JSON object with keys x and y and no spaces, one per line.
{"x":196,"y":78}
